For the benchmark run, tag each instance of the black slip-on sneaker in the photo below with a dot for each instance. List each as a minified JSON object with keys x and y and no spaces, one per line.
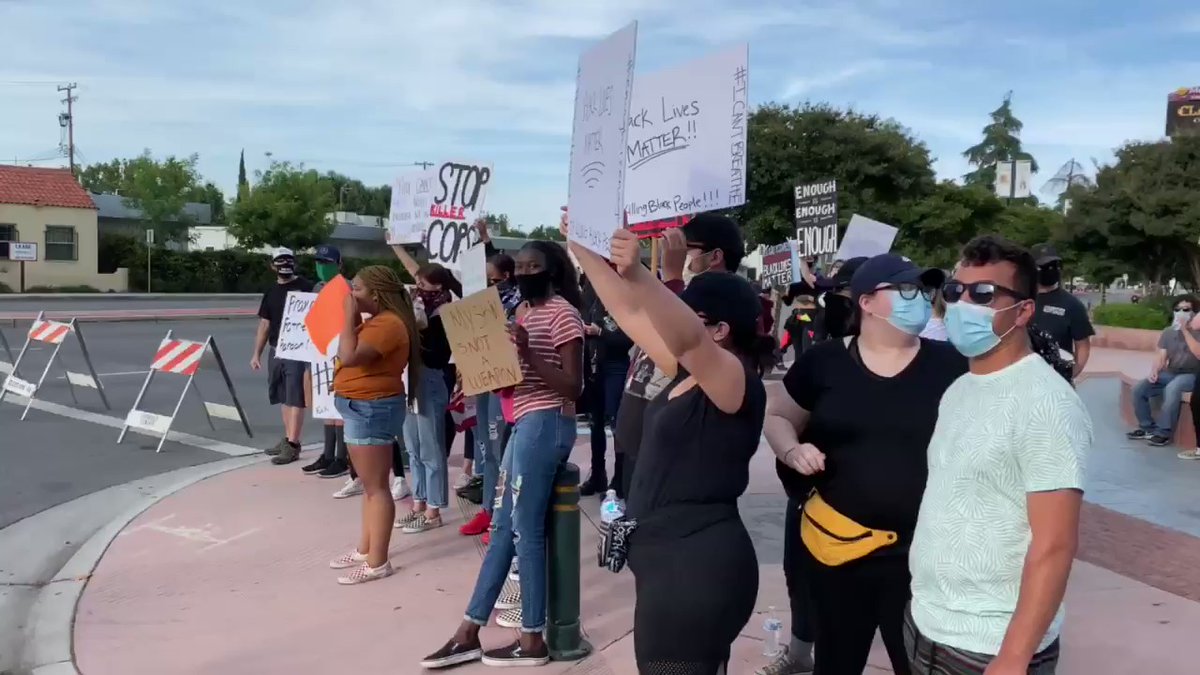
{"x":1158,"y":440}
{"x":452,"y":654}
{"x":335,"y":469}
{"x":317,"y":466}
{"x":513,"y":656}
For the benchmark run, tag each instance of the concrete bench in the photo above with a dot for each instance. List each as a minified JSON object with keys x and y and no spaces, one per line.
{"x":1185,"y":432}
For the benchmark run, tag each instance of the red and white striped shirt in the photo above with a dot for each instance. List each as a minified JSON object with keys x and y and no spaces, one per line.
{"x":550,"y":325}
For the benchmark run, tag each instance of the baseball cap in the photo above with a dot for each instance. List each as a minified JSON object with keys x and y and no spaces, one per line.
{"x":889,"y":268}
{"x":709,"y":231}
{"x":1045,"y":254}
{"x":282,"y":252}
{"x":843,"y":276}
{"x":327,"y":253}
{"x":727,"y":298}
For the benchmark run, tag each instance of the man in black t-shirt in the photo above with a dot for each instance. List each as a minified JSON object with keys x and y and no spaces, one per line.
{"x":285,"y":378}
{"x":1059,"y":313}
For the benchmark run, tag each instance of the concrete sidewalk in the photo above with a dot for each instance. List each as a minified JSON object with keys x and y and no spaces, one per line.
{"x":230,"y":576}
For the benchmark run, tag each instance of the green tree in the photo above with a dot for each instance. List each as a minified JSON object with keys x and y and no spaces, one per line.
{"x":351,"y":194}
{"x":498,"y":226}
{"x":210,"y":194}
{"x":939,"y":224}
{"x":1001,"y":143}
{"x":243,"y":184}
{"x":1143,"y":215}
{"x":287,"y":206}
{"x":881,"y":169}
{"x":160,"y":189}
{"x":546,"y":232}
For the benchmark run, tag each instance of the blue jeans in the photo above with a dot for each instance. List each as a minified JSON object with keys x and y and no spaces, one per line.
{"x":489,"y":448}
{"x":540,"y":442}
{"x":374,"y":422}
{"x":424,"y":436}
{"x":1171,"y":386}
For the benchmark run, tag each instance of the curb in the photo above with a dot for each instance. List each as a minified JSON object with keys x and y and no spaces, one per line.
{"x":127,"y":317}
{"x":50,"y":648}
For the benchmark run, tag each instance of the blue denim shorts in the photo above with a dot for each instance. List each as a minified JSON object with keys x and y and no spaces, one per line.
{"x":376,"y":422}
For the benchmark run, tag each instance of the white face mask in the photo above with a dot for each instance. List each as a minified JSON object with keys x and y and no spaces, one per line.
{"x":1182,"y":317}
{"x":688,"y":274}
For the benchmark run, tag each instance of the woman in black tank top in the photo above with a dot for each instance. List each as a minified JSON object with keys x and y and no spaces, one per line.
{"x":694,"y":566}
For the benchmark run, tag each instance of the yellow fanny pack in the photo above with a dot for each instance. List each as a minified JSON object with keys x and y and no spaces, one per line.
{"x":833,"y":539}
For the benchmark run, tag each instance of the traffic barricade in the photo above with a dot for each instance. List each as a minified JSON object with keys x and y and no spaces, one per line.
{"x":183,"y":357}
{"x":56,"y":333}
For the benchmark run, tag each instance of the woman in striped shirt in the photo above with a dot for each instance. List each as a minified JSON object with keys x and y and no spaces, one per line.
{"x":548,"y":334}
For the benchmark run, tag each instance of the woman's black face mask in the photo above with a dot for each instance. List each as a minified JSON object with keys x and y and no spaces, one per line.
{"x":534,"y":286}
{"x":839,"y":311}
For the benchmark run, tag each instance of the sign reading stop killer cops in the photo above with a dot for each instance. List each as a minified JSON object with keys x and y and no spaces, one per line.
{"x":816,"y":218}
{"x":438,"y":208}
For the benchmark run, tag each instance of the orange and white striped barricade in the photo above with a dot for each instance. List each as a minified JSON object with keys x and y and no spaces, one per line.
{"x":55,"y":333}
{"x":183,"y":357}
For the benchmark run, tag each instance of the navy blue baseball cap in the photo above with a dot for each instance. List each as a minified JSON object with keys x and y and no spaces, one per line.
{"x":327,"y":253}
{"x":892,"y":269}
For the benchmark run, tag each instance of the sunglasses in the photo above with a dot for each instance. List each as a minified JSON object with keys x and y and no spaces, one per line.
{"x":1186,"y":308}
{"x":980,"y":292}
{"x":909,"y":291}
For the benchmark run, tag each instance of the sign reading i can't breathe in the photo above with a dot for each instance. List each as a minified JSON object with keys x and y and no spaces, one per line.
{"x":816,"y":218}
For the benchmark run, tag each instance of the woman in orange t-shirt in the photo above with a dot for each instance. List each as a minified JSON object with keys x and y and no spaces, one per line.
{"x":369,"y":394}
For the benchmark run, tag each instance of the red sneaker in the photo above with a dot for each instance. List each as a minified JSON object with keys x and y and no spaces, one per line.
{"x":477,"y":525}
{"x":487,"y":538}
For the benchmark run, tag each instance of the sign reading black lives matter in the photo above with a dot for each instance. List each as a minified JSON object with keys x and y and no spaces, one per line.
{"x":438,"y":208}
{"x":816,"y":218}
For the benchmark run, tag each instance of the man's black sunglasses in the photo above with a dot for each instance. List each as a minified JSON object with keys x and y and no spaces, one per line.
{"x":980,"y":292}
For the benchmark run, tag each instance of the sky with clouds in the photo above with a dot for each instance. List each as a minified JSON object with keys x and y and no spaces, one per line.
{"x":365,"y":87}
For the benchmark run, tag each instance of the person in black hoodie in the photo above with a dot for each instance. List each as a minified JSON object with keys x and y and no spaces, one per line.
{"x":606,"y":361}
{"x":424,"y":431}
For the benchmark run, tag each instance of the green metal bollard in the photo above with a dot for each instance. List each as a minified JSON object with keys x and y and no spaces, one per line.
{"x":563,"y":635}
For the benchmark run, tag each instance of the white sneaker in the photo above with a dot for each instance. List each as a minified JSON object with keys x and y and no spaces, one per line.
{"x":348,"y":560}
{"x":352,"y":488}
{"x":364,"y":573}
{"x":509,"y":619}
{"x":399,"y":489}
{"x":462,"y":481}
{"x":512,"y":572}
{"x":510,"y":597}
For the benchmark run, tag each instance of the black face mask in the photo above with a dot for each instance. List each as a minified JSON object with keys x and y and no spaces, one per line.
{"x":1050,"y":275}
{"x":285,"y":270}
{"x":534,"y":286}
{"x":839,"y":310}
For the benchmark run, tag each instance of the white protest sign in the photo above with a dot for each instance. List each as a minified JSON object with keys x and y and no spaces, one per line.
{"x":865,"y":237}
{"x":474,"y":269}
{"x":294,"y":342}
{"x":459,"y":189}
{"x":412,"y":194}
{"x":322,"y":390}
{"x":596,"y":184}
{"x":686,"y":146}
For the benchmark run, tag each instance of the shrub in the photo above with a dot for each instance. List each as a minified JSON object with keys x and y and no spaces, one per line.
{"x":62,"y":289}
{"x":1155,"y":316}
{"x":4,"y":288}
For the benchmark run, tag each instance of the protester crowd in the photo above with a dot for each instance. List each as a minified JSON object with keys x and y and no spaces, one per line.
{"x":927,"y":435}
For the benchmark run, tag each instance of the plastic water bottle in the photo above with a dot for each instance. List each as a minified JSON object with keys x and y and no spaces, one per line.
{"x":773,"y":628}
{"x":611,"y":508}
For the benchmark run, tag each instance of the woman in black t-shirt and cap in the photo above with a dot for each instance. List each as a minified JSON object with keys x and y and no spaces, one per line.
{"x":856,"y":416}
{"x":693,"y":562}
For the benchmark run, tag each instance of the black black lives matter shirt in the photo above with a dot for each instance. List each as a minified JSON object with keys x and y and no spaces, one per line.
{"x":1064,"y":317}
{"x":274,"y":301}
{"x":873,"y":430}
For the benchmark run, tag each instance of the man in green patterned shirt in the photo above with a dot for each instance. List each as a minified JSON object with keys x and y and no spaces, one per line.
{"x":998,"y":526}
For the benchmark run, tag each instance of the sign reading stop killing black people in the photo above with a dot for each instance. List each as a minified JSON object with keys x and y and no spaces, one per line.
{"x":451,"y":196}
{"x":816,"y":218}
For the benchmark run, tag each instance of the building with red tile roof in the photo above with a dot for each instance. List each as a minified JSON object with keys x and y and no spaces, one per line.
{"x":50,"y":210}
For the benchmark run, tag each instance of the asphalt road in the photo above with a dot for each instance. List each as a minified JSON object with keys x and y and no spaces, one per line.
{"x":70,"y":449}
{"x":15,"y":303}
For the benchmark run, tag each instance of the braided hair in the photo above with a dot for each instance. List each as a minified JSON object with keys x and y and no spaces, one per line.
{"x":389,"y":292}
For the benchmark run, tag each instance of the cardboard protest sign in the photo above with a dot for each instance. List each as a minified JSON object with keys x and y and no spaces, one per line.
{"x":817,"y":218}
{"x":781,"y":264}
{"x":322,"y":390}
{"x":459,"y":189}
{"x":686,"y":146}
{"x":408,"y":219}
{"x":477,"y":330}
{"x":596,"y":187}
{"x":327,"y":316}
{"x":654,"y":228}
{"x":474,"y":269}
{"x":865,"y":237}
{"x":294,"y":342}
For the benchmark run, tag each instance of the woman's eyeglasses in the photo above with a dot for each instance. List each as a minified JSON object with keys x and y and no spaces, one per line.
{"x":910,"y":291}
{"x":1183,"y":309}
{"x":980,"y":292}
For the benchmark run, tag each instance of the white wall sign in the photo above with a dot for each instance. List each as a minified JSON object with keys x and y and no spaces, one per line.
{"x":865,"y":237}
{"x":322,"y":390}
{"x":597,"y":179}
{"x":294,"y":342}
{"x":408,"y":218}
{"x":474,"y":269}
{"x":1013,"y":179}
{"x":459,"y":189}
{"x":23,"y":251}
{"x":686,"y":146}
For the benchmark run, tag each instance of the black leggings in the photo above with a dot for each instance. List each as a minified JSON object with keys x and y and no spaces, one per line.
{"x":853,"y":600}
{"x":1195,"y":407}
{"x":796,"y":573}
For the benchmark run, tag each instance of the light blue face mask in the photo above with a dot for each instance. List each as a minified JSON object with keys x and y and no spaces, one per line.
{"x":910,"y":316}
{"x":969,"y":328}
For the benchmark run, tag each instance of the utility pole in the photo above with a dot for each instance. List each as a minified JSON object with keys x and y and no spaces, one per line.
{"x":423,"y":165}
{"x":67,"y":120}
